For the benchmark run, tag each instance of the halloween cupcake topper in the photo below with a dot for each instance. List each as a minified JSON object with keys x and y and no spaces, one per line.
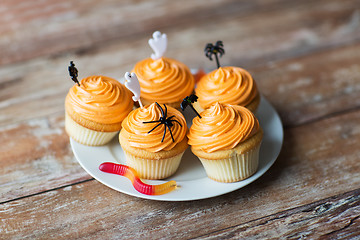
{"x":188,"y":102}
{"x":216,"y":49}
{"x":73,"y":72}
{"x":158,"y":44}
{"x":132,"y":83}
{"x":167,"y":121}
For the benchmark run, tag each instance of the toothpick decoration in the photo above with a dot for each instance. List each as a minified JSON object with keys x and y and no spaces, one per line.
{"x":132,"y":83}
{"x":188,"y":102}
{"x":216,"y":49}
{"x":158,"y":44}
{"x":73,"y":72}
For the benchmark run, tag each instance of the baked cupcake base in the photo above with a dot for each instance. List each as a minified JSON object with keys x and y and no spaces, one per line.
{"x":234,"y":164}
{"x":86,"y":136}
{"x":153,"y":165}
{"x":233,"y":169}
{"x":153,"y":169}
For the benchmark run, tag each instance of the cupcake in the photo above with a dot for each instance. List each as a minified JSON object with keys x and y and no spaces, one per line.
{"x":227,"y":140}
{"x":154,"y":139}
{"x":95,"y":109}
{"x":164,"y":80}
{"x":227,"y":85}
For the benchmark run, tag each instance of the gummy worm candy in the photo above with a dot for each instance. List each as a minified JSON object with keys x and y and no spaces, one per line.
{"x":132,"y":175}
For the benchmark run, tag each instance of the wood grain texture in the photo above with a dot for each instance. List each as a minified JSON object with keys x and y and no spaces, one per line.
{"x":46,"y":28}
{"x":311,"y":87}
{"x":37,"y":88}
{"x":333,"y":218}
{"x":304,"y":56}
{"x":306,"y":171}
{"x":36,"y":157}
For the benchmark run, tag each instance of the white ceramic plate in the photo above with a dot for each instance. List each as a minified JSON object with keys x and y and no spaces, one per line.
{"x":190,"y":177}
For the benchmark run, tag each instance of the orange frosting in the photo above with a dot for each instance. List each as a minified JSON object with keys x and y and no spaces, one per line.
{"x":230,"y":85}
{"x":100,"y":99}
{"x":164,"y":80}
{"x":222,"y":127}
{"x":136,"y":132}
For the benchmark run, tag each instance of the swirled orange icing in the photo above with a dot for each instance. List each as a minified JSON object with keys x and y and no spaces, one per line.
{"x":164,"y":80}
{"x":222,"y":127}
{"x":230,"y":85}
{"x":136,"y":131}
{"x":100,"y":99}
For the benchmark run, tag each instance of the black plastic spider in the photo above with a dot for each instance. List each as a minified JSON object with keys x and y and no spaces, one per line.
{"x":167,"y":121}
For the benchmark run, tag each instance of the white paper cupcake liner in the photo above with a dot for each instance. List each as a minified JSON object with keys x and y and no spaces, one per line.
{"x":86,"y":136}
{"x":153,"y":169}
{"x":237,"y":167}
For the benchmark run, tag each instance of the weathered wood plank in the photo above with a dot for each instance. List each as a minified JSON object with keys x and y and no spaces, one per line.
{"x":314,"y":86}
{"x":36,"y":29}
{"x":36,"y":157}
{"x":313,"y":165}
{"x":333,"y":218}
{"x":46,"y":28}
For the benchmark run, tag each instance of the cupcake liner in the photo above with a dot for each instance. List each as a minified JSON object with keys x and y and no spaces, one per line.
{"x":235,"y":168}
{"x":86,"y":136}
{"x":153,"y":169}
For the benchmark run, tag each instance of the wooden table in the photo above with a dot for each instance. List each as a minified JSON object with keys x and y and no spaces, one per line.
{"x":304,"y":55}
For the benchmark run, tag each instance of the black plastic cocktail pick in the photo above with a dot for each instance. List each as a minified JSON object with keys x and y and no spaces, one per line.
{"x":188,"y":102}
{"x":167,"y":121}
{"x":73,"y":72}
{"x":216,"y":49}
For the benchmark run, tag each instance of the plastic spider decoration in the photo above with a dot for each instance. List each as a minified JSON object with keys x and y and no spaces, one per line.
{"x":167,"y":121}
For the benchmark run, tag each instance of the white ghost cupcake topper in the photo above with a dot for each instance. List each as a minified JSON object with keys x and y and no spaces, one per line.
{"x":132,"y":83}
{"x":158,"y":43}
